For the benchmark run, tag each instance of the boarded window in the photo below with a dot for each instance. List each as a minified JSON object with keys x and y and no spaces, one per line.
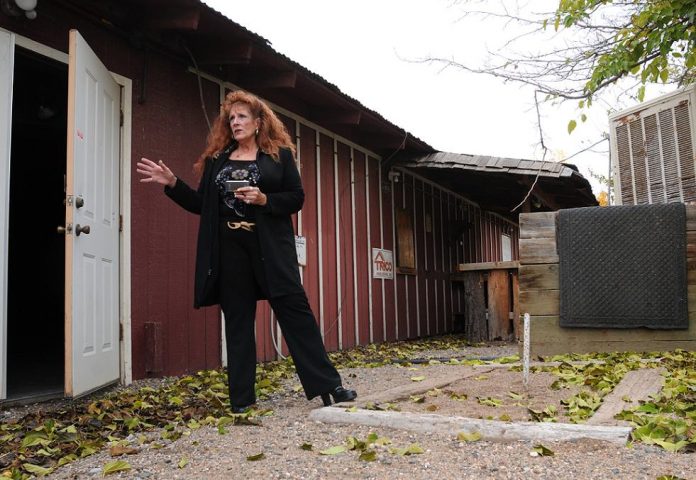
{"x":406,"y":252}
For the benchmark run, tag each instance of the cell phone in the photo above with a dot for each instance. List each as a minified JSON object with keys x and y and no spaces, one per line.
{"x":232,"y":185}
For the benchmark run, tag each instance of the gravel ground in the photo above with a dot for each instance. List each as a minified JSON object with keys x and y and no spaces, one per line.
{"x":205,"y":453}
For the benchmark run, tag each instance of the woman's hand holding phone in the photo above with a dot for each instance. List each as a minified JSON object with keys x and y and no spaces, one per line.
{"x":250,"y":195}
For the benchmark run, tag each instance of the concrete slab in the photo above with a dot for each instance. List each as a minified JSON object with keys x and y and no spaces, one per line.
{"x":636,"y":385}
{"x":489,"y":429}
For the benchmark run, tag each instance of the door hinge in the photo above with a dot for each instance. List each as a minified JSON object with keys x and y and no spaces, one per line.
{"x":120,"y":223}
{"x":121,"y":118}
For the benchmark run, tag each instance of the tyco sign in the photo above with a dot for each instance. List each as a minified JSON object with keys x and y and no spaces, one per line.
{"x":382,"y":264}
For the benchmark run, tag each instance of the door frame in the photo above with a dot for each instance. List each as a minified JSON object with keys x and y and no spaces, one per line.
{"x":6,"y":82}
{"x":125,"y":344}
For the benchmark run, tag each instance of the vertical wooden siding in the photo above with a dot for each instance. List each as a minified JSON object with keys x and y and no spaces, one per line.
{"x":163,"y":240}
{"x":348,"y":211}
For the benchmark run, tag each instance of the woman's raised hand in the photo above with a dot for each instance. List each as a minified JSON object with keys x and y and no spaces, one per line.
{"x":155,"y":172}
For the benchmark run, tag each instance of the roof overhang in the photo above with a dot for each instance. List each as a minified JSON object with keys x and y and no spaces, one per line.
{"x":501,"y":184}
{"x":189,"y":29}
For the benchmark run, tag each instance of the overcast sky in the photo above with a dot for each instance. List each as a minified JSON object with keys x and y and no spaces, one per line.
{"x":363,"y":47}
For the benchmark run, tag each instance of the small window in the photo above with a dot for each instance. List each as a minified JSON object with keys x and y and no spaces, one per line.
{"x":507,"y":247}
{"x":406,"y":252}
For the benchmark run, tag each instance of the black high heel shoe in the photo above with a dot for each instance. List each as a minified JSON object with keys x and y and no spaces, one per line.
{"x":339,"y":395}
{"x":241,"y":409}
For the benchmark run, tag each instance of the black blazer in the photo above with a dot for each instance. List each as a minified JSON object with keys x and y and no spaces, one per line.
{"x":281,"y":182}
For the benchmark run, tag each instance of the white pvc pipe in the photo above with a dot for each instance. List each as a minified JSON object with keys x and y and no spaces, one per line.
{"x":525,"y":350}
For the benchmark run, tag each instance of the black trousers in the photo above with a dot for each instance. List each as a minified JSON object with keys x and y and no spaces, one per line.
{"x":242,"y":278}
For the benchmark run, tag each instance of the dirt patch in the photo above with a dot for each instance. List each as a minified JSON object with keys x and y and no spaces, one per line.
{"x":498,"y":394}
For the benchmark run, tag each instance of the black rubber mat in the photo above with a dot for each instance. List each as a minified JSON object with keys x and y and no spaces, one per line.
{"x":623,"y":266}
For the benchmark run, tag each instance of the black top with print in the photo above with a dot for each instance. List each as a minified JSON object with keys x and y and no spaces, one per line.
{"x":231,"y":207}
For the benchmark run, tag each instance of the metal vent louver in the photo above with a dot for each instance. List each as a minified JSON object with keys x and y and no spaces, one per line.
{"x":653,"y":148}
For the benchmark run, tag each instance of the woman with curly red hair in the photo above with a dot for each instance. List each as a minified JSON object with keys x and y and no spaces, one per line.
{"x":249,"y":188}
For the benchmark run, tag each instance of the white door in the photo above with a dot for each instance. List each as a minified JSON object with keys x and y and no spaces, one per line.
{"x":92,"y":221}
{"x":6,"y":74}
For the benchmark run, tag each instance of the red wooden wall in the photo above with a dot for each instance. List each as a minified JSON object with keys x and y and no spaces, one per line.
{"x":349,"y":210}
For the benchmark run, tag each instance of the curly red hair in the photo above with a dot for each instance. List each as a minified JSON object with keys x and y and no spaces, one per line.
{"x":272,"y":134}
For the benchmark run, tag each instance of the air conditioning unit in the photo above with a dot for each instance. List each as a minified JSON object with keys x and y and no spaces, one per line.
{"x":653,"y":150}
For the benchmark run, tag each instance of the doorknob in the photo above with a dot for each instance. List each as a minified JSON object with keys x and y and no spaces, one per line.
{"x":81,"y":229}
{"x":64,"y":230}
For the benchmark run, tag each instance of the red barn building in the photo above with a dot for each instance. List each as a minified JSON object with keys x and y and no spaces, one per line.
{"x":96,"y":270}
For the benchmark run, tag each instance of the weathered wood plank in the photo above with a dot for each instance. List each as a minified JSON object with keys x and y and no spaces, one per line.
{"x":540,"y":277}
{"x":538,"y":250}
{"x":499,"y":324}
{"x":540,"y":302}
{"x":516,"y":321}
{"x":635,"y":386}
{"x":475,"y":325}
{"x":691,"y":292}
{"x":548,"y":338}
{"x":548,"y":347}
{"x":538,"y":225}
{"x":690,"y":246}
{"x":468,"y":267}
{"x":691,"y":275}
{"x":690,"y":218}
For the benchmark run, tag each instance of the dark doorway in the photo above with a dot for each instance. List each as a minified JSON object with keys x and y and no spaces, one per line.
{"x":36,"y":263}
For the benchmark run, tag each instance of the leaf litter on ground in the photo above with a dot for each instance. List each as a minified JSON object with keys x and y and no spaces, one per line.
{"x":41,"y":441}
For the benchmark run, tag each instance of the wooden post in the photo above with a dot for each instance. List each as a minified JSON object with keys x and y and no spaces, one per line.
{"x":499,"y":325}
{"x":475,"y":325}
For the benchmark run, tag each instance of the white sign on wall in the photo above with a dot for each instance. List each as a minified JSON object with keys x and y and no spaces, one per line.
{"x":301,"y":248}
{"x":382,"y":264}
